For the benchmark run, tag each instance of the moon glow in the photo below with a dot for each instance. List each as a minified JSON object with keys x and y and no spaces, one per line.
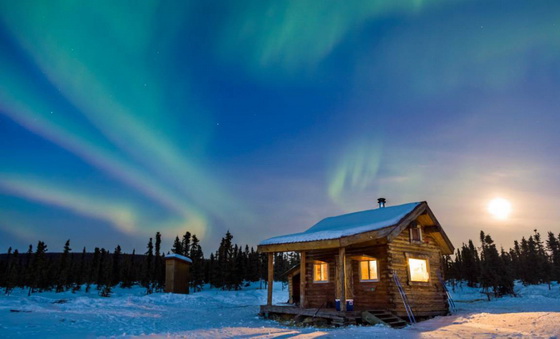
{"x":499,"y":208}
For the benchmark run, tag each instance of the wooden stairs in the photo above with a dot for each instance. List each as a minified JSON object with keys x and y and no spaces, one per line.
{"x":383,"y":317}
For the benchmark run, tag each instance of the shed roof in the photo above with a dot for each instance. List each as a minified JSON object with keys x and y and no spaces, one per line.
{"x":178,"y":256}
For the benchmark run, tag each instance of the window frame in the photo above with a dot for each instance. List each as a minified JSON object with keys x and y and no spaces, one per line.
{"x":408,"y":268}
{"x":326,"y":271}
{"x":376,"y":269}
{"x":411,"y":230}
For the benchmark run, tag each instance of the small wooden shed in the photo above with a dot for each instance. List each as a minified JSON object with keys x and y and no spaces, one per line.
{"x":389,"y":259}
{"x":177,"y":273}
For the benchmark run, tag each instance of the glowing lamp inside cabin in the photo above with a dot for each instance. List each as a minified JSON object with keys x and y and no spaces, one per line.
{"x":418,"y":270}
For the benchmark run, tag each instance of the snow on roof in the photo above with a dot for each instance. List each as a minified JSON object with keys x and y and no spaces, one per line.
{"x":348,"y":224}
{"x":178,"y":256}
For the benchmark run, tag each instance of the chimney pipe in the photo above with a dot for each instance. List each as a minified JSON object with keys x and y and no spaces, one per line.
{"x":381,"y":202}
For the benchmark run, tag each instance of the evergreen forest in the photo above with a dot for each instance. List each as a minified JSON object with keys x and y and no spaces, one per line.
{"x":532,"y":260}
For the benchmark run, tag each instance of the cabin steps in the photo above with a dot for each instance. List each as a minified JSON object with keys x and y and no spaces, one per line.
{"x":384,"y":317}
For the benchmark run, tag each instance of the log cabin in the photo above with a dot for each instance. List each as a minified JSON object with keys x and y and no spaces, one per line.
{"x":388,"y":258}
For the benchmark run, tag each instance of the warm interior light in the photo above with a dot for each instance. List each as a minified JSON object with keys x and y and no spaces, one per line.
{"x":368,"y":270}
{"x":418,"y":270}
{"x":499,"y":208}
{"x":320,"y":272}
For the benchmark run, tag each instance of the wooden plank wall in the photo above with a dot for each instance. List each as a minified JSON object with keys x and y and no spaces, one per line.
{"x":169,"y":276}
{"x":177,"y":276}
{"x":426,"y":299}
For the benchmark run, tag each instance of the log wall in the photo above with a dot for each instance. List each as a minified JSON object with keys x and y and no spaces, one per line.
{"x":425,"y":298}
{"x":370,"y":295}
{"x":366,"y":295}
{"x":320,"y":294}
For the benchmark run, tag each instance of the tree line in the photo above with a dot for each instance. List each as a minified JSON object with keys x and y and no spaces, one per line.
{"x":229,"y":267}
{"x":532,"y":261}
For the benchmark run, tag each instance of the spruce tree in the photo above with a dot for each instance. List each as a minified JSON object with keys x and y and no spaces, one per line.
{"x":211,"y":275}
{"x":252,"y":266}
{"x":105,"y":274}
{"x":27,"y":271}
{"x":4,"y":267}
{"x":38,"y":269}
{"x":544,"y":267}
{"x":493,"y":272}
{"x":553,"y":246}
{"x":128,"y":275}
{"x":116,"y":275}
{"x":533,"y":265}
{"x":516,"y":260}
{"x":12,"y":272}
{"x":471,"y":264}
{"x":93,"y":269}
{"x":225,"y":265}
{"x":197,"y":267}
{"x":100,"y":276}
{"x":63,"y":268}
{"x":159,"y":265}
{"x":177,"y":246}
{"x":525,"y":262}
{"x":148,"y":275}
{"x":237,"y":272}
{"x":80,"y":276}
{"x":506,"y":272}
{"x":263,"y":268}
{"x":186,"y":244}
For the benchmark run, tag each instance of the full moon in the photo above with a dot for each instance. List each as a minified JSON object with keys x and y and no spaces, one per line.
{"x":499,"y":208}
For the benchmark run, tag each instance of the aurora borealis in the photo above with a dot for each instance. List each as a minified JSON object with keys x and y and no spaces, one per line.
{"x":119,"y":118}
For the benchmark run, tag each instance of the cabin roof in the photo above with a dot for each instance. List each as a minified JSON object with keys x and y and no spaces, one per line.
{"x":178,"y":256}
{"x":351,"y":228}
{"x":348,"y":224}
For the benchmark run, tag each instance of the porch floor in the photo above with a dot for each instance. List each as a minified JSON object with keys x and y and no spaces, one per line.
{"x":335,"y":317}
{"x":326,"y":313}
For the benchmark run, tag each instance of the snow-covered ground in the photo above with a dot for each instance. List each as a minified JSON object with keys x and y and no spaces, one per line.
{"x":226,"y":314}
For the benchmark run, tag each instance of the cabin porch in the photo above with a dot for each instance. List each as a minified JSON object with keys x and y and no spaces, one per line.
{"x":339,"y":283}
{"x":342,"y":317}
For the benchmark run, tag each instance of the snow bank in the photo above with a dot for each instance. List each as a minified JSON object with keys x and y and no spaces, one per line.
{"x":232,"y":314}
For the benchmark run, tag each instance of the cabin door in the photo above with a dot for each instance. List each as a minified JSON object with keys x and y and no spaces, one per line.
{"x":296,"y":288}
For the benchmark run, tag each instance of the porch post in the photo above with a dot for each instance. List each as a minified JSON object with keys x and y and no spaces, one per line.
{"x":341,"y":275}
{"x":302,"y":277}
{"x":270,"y":277}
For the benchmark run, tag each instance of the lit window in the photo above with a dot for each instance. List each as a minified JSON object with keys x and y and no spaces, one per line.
{"x":418,"y":270}
{"x":368,"y":270}
{"x":320,"y":272}
{"x":415,"y":234}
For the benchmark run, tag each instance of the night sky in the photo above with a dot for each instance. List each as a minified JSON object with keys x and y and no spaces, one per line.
{"x":122,"y":118}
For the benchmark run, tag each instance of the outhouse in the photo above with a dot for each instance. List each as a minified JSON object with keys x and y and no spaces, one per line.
{"x":177,"y":273}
